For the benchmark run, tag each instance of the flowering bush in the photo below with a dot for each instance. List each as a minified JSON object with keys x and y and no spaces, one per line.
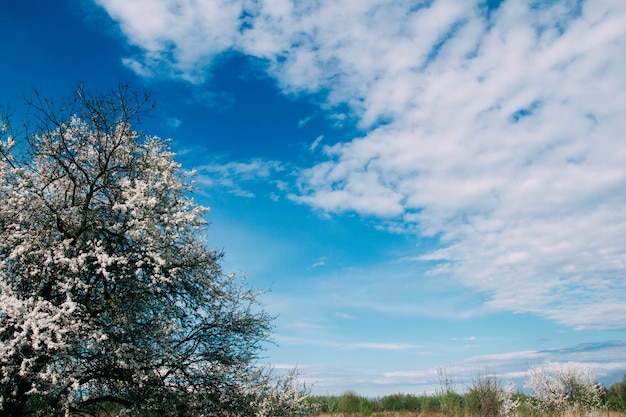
{"x":508,"y":403}
{"x":563,"y":390}
{"x":287,"y":398}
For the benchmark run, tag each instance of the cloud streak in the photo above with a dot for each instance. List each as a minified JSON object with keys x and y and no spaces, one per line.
{"x":513,"y":366}
{"x":508,"y":367}
{"x":233,"y":176}
{"x":498,"y":131}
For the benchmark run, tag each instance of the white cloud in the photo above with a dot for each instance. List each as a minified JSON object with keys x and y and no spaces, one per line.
{"x":603,"y":360}
{"x":304,"y":325}
{"x":316,"y":142}
{"x":470,"y":338}
{"x":173,"y":122}
{"x":599,"y":359}
{"x":177,"y":38}
{"x":503,"y":135}
{"x":382,"y":346}
{"x":303,"y":122}
{"x":319,"y":262}
{"x":233,"y":176}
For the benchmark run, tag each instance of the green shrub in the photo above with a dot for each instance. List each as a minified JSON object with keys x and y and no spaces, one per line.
{"x":616,"y":396}
{"x":365,"y":407}
{"x":484,"y":396}
{"x":450,"y":403}
{"x":399,"y":402}
{"x":349,"y":403}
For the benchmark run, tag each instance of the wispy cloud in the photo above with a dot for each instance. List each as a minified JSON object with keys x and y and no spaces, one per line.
{"x":316,"y":142}
{"x":466,"y":338}
{"x":319,"y":262}
{"x":382,"y":346}
{"x":603,"y":359}
{"x":304,"y":121}
{"x":405,"y":292}
{"x":513,"y":366}
{"x":498,"y":131}
{"x":339,"y":345}
{"x":304,"y":325}
{"x":508,"y":367}
{"x":233,"y":176}
{"x":173,"y":122}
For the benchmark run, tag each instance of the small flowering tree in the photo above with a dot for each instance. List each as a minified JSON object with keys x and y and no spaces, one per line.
{"x":286,"y":398}
{"x":564,"y":390}
{"x":109,"y":296}
{"x":509,"y":404}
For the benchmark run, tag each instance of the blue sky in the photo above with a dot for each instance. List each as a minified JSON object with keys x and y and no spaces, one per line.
{"x":424,"y":185}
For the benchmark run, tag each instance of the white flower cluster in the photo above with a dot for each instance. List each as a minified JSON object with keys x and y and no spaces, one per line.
{"x":562,"y":390}
{"x":287,"y":399}
{"x":508,"y":403}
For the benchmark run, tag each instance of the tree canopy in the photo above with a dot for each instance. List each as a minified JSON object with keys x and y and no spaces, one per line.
{"x":109,"y":294}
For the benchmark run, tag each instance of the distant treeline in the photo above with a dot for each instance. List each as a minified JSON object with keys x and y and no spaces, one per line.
{"x":486,"y":397}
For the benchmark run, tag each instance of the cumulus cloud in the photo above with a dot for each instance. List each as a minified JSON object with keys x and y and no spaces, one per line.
{"x":175,"y":38}
{"x":498,"y":131}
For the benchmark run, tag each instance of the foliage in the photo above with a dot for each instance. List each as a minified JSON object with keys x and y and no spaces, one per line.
{"x":564,"y":390}
{"x":109,"y":295}
{"x":399,"y":402}
{"x":287,"y":398}
{"x":483,"y":396}
{"x":327,"y":404}
{"x":486,"y":397}
{"x":450,"y":402}
{"x":349,"y":402}
{"x":616,"y":396}
{"x":365,"y":407}
{"x":430,"y":404}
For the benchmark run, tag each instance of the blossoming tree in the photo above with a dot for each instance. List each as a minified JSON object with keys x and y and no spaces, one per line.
{"x":109,"y":296}
{"x":561,"y":390}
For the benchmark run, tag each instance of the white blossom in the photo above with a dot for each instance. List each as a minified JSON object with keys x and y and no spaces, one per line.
{"x":564,"y":389}
{"x":508,"y":403}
